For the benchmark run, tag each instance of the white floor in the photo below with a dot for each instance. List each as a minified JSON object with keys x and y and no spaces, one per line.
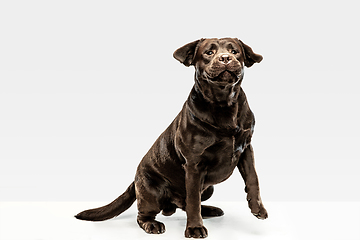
{"x":287,"y":220}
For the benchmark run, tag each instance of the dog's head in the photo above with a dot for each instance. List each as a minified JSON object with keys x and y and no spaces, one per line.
{"x":218,"y":60}
{"x":218,"y":63}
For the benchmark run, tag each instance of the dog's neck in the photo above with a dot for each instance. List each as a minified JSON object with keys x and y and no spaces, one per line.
{"x":223,"y":94}
{"x":216,"y":104}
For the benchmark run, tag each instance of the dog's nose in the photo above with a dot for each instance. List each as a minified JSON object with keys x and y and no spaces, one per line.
{"x":225,"y":59}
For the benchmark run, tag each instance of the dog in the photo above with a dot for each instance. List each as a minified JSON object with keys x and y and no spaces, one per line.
{"x":208,"y":139}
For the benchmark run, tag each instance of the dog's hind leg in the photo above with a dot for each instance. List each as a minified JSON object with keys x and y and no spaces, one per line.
{"x":147,"y":211}
{"x":209,"y":211}
{"x":148,"y":207}
{"x":169,"y":209}
{"x":207,"y":193}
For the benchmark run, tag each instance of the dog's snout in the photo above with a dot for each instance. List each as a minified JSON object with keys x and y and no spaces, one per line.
{"x":225,"y":58}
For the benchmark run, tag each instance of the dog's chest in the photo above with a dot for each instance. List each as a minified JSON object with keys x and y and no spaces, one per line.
{"x":222,"y":157}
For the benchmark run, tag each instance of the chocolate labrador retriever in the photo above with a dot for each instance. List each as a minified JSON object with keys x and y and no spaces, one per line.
{"x":201,"y":147}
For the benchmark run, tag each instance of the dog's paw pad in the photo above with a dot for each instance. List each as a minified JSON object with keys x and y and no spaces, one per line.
{"x":196,"y":232}
{"x":261,"y":214}
{"x":154,"y":227}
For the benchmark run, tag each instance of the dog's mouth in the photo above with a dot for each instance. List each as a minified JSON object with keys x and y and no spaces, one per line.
{"x":225,"y":76}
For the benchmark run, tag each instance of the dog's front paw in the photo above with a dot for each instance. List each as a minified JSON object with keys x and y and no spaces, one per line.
{"x":262,"y":214}
{"x":196,"y":232}
{"x":258,"y":209}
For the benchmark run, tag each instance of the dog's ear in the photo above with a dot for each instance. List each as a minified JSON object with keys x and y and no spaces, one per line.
{"x":187,"y":53}
{"x":250,"y":57}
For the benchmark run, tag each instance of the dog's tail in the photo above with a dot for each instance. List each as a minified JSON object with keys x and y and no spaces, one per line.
{"x":111,"y":210}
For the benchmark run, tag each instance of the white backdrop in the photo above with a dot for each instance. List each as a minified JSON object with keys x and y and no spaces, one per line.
{"x":87,"y":86}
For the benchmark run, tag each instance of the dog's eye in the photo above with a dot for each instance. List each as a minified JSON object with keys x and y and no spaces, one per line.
{"x":209,"y":53}
{"x":234,"y":52}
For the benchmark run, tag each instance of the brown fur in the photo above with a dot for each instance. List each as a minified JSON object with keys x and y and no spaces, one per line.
{"x":208,"y":139}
